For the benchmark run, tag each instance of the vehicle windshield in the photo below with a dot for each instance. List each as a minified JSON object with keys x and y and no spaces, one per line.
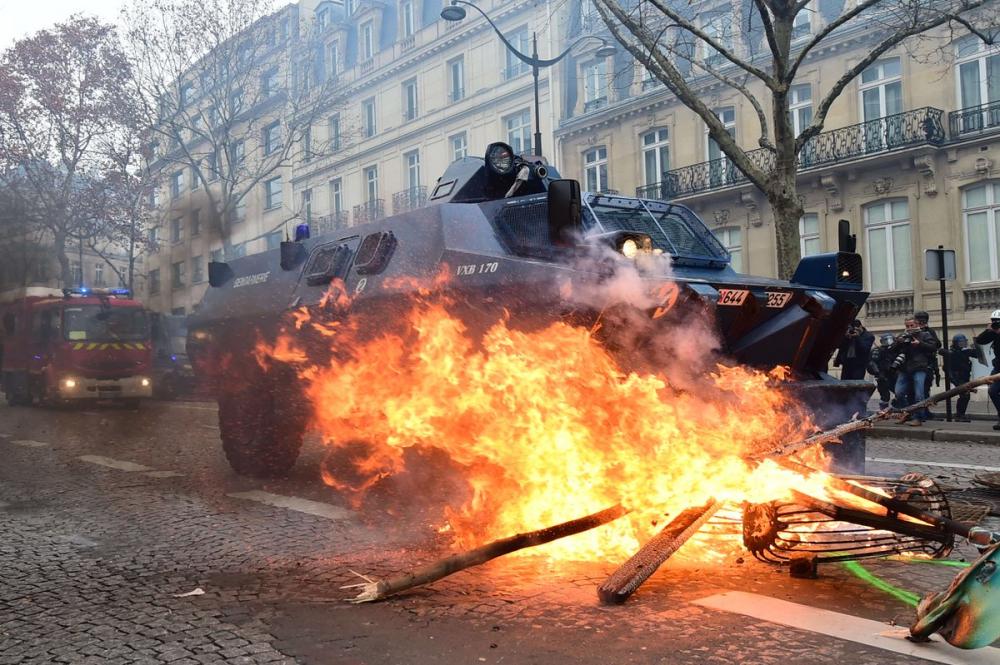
{"x":98,"y":323}
{"x":673,"y":228}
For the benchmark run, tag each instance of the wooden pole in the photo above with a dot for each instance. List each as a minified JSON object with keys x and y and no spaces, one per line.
{"x":372,"y":590}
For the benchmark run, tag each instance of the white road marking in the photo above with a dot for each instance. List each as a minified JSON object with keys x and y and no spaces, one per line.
{"x":946,"y":465}
{"x":193,"y":407}
{"x":844,"y":627}
{"x":163,"y":474}
{"x":121,"y":465}
{"x":294,"y":503}
{"x":28,"y":443}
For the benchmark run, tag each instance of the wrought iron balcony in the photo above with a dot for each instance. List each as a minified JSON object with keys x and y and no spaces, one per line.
{"x":409,"y":199}
{"x":335,"y":221}
{"x":902,"y":130}
{"x":515,"y":70}
{"x":369,"y":211}
{"x":974,"y":120}
{"x":660,"y":191}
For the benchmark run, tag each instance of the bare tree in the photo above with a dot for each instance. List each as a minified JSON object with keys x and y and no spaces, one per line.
{"x":65,"y":105}
{"x":232,"y":90}
{"x":751,"y":47}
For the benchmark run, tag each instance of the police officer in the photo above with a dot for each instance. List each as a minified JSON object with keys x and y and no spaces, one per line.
{"x":990,"y":336}
{"x":934,"y":371}
{"x":880,"y":366}
{"x":960,"y":370}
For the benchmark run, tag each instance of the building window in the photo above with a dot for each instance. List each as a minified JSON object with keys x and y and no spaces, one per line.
{"x":196,"y":222}
{"x":272,"y":137}
{"x":647,"y":80}
{"x":153,"y":237}
{"x":239,"y":152}
{"x":809,"y":243}
{"x":197,"y":269}
{"x":720,"y":170}
{"x":273,"y":239}
{"x":881,"y":96}
{"x":519,"y":132}
{"x":76,"y":273}
{"x":240,"y":210}
{"x":323,"y":18}
{"x":333,"y":132}
{"x":239,"y":250}
{"x":410,"y":99}
{"x":459,"y":146}
{"x":193,"y":180}
{"x":800,"y":107}
{"x":802,"y":23}
{"x":177,"y":275}
{"x":371,"y":184}
{"x":272,"y":193}
{"x":215,"y":256}
{"x":731,"y":238}
{"x":307,"y":144}
{"x":334,"y":51}
{"x":595,"y":169}
{"x":154,"y":281}
{"x":717,"y":25}
{"x":890,"y":255}
{"x":176,"y":229}
{"x":367,"y":40}
{"x":981,"y":217}
{"x":235,"y":102}
{"x":368,"y":117}
{"x":176,"y":184}
{"x":212,"y":164}
{"x":307,"y":205}
{"x":412,"y":163}
{"x":187,"y":94}
{"x":978,"y":78}
{"x":269,"y":82}
{"x":595,"y":82}
{"x":655,"y":155}
{"x":336,"y":196}
{"x":407,"y":15}
{"x":520,"y":40}
{"x":456,"y":79}
{"x":98,"y":274}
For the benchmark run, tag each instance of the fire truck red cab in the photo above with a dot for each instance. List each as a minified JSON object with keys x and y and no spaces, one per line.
{"x":78,"y":344}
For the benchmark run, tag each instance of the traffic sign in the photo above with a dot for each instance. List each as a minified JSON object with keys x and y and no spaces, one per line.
{"x":933,"y":264}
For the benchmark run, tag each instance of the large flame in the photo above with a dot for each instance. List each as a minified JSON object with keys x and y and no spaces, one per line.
{"x":545,"y":425}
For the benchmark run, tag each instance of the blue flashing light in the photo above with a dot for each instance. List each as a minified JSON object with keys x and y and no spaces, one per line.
{"x":301,"y":232}
{"x":84,"y":289}
{"x":174,"y":358}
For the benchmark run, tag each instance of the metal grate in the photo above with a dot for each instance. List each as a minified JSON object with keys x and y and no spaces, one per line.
{"x":525,"y":228}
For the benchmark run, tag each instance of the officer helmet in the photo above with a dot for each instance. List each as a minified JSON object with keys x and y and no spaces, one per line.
{"x":887,"y":339}
{"x":922,"y":317}
{"x":995,"y":315}
{"x":960,"y":340}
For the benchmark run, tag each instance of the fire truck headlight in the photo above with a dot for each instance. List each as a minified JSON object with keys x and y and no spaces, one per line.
{"x":69,"y":383}
{"x":635,"y":245}
{"x":630,"y":248}
{"x":144,"y":382}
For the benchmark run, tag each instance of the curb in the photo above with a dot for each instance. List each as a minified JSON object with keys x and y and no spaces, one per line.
{"x":942,"y":435}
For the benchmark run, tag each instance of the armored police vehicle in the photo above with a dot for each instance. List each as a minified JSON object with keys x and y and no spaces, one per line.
{"x":517,"y":241}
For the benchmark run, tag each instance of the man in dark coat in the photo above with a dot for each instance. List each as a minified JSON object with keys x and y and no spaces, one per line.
{"x":990,"y":336}
{"x":960,"y":371}
{"x":854,"y":352}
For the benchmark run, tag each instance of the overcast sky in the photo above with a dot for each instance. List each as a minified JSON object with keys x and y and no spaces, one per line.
{"x":22,"y":17}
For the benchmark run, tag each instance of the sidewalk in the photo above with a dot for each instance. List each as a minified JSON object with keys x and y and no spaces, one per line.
{"x":980,"y":430}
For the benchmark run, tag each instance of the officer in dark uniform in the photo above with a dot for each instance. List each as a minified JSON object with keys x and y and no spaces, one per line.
{"x":880,"y":366}
{"x":960,"y":370}
{"x":990,"y":336}
{"x":933,"y":370}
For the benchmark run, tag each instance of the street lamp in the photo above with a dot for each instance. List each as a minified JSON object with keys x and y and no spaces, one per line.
{"x":454,"y":12}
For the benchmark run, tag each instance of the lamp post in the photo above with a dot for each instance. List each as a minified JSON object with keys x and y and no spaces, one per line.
{"x":453,"y":12}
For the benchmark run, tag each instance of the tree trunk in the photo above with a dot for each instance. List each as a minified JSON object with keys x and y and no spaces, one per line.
{"x":59,"y":247}
{"x":787,"y":211}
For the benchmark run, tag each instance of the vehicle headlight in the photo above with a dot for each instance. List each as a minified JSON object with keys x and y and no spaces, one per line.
{"x":500,"y":158}
{"x":69,"y":383}
{"x":144,"y":382}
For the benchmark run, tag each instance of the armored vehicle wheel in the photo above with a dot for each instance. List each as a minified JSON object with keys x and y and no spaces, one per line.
{"x":261,"y":436}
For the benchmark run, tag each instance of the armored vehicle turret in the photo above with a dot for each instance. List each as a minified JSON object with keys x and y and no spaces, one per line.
{"x":515,"y":240}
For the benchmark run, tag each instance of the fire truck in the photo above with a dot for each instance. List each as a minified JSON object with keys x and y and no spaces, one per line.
{"x":72,"y":345}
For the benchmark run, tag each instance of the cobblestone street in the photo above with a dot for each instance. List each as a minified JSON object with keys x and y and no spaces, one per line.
{"x":111,"y":518}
